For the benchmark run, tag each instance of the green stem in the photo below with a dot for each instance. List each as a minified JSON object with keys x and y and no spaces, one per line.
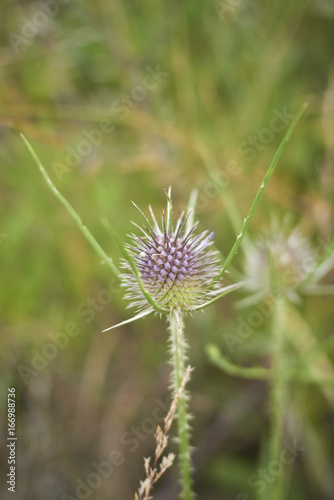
{"x":259,"y":373}
{"x":254,"y":372}
{"x":178,"y":347}
{"x":278,"y":393}
{"x":88,"y":235}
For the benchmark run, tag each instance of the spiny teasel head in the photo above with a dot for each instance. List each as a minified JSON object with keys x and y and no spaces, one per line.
{"x":175,"y":265}
{"x":278,"y":262}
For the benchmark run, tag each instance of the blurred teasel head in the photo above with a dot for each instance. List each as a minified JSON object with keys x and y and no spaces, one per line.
{"x":281,"y":262}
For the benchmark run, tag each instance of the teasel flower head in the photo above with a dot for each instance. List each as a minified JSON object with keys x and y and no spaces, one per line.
{"x":282,"y":262}
{"x":171,"y":267}
{"x":176,"y":265}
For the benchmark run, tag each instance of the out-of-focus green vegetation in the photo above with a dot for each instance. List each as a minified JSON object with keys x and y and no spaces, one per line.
{"x":193,"y":91}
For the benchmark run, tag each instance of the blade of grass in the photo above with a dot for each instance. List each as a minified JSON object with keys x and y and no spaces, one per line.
{"x":88,"y":235}
{"x":260,"y":192}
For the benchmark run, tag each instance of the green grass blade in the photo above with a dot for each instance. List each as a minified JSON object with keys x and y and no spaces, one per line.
{"x":232,"y":212}
{"x":260,"y":192}
{"x":88,"y":235}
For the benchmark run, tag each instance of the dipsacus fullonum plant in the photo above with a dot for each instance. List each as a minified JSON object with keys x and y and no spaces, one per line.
{"x":281,"y":266}
{"x":172,"y":270}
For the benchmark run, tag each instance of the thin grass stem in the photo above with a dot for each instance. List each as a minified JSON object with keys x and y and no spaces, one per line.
{"x":88,"y":235}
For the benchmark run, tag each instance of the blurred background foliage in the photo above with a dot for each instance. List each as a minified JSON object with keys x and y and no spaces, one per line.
{"x":229,"y":68}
